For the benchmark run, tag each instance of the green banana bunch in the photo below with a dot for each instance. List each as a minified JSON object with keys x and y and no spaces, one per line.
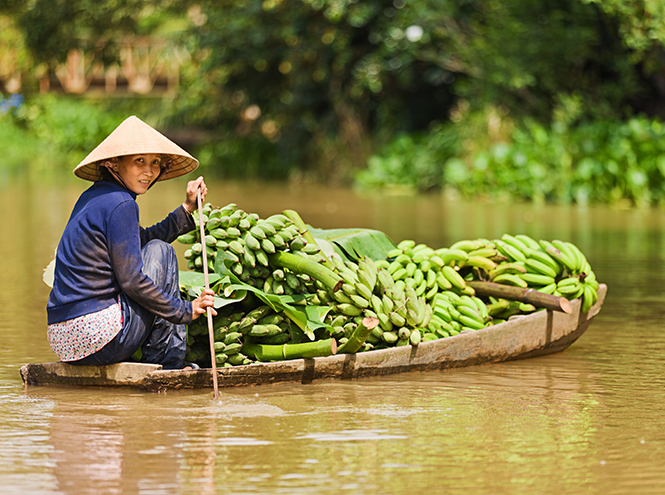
{"x":454,"y":313}
{"x":416,"y":293}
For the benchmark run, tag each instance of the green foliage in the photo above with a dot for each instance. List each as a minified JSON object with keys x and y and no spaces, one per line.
{"x":294,"y":73}
{"x":53,"y":27}
{"x":602,"y":161}
{"x":55,"y":133}
{"x":315,"y":86}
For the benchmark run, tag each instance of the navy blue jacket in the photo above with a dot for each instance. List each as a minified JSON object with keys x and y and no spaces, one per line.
{"x":99,"y":255}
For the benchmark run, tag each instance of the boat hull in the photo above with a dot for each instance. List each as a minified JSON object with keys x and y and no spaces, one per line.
{"x":522,"y":337}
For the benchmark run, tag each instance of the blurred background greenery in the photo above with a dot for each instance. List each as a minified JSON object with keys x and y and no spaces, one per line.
{"x":530,"y":100}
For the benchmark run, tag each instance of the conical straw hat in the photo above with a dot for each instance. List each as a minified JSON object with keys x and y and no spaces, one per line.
{"x":134,"y":137}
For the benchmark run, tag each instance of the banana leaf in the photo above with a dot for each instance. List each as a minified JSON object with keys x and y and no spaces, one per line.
{"x":308,"y":318}
{"x":354,"y":244}
{"x":193,"y":283}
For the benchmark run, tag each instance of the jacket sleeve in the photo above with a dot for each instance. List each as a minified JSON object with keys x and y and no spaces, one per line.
{"x":124,"y":245}
{"x":178,"y":222}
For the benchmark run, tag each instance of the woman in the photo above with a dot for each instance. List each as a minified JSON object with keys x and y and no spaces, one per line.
{"x":115,"y":287}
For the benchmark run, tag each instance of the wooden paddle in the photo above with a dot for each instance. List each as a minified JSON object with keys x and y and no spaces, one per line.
{"x":207,"y":286}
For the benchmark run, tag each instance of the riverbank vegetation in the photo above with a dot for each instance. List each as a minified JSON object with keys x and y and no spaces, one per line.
{"x":500,"y":99}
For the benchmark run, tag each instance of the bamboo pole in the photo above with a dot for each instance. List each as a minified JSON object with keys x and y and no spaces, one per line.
{"x":359,"y":336}
{"x":271,"y":352}
{"x":207,"y":286}
{"x":529,"y":296}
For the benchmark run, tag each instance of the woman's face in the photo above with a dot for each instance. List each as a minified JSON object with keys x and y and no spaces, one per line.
{"x":139,"y":171}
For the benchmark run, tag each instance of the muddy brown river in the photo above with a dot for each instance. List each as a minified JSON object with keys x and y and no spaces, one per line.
{"x":587,"y":420}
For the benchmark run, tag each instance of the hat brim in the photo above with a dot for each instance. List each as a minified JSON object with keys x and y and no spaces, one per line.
{"x":135,"y":137}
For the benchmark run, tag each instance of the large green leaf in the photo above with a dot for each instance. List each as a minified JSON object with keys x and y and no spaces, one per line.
{"x":356,"y":243}
{"x":193,"y":283}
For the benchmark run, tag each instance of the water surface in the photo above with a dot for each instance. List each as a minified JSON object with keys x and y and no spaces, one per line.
{"x":587,"y":420}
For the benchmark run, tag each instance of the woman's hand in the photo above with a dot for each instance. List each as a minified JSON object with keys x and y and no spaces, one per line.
{"x":205,"y":300}
{"x":192,"y":188}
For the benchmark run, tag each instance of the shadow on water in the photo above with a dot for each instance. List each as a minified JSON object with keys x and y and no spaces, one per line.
{"x":588,"y":417}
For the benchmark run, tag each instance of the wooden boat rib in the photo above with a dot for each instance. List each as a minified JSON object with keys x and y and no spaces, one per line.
{"x":536,"y":334}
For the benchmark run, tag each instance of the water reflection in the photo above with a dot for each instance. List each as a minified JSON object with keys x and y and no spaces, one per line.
{"x":587,"y":418}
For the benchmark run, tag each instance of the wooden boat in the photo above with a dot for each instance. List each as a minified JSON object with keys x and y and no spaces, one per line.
{"x":537,"y":334}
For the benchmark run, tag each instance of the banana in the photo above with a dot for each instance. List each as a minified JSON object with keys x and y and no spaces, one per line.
{"x":219,"y":234}
{"x":570,"y":254}
{"x":471,"y":323}
{"x":425,"y":266}
{"x":529,"y":242}
{"x":298,"y":243}
{"x":376,"y":303}
{"x":561,"y":257}
{"x":548,"y":289}
{"x":384,"y":322}
{"x":367,"y":280}
{"x":233,"y":233}
{"x":510,"y":251}
{"x":394,"y":253}
{"x":349,"y":289}
{"x":437,"y":261}
{"x":453,"y":277}
{"x":362,"y":290}
{"x":516,"y":243}
{"x":236,"y":247}
{"x":469,"y":312}
{"x":486,"y":252}
{"x":540,"y":268}
{"x":543,"y":257}
{"x":498,"y":307}
{"x":257,"y":232}
{"x":341,"y":297}
{"x":482,"y":308}
{"x":583,"y":263}
{"x":266,"y":227}
{"x":268,"y":246}
{"x":570,"y":290}
{"x":510,"y":279}
{"x":261,"y":257}
{"x":387,"y":304}
{"x":481,"y":262}
{"x":406,"y":244}
{"x":517,"y":267}
{"x":589,"y":298}
{"x":467,"y":245}
{"x":396,"y":319}
{"x":442,"y":314}
{"x":347,"y":309}
{"x":430,"y":277}
{"x":277,"y":241}
{"x":568,"y":281}
{"x":286,"y":235}
{"x":248,"y":257}
{"x":442,"y":282}
{"x":410,"y":268}
{"x":537,"y":279}
{"x":452,"y":255}
{"x":418,"y":277}
{"x":251,"y":241}
{"x":384,"y":280}
{"x":292,"y":280}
